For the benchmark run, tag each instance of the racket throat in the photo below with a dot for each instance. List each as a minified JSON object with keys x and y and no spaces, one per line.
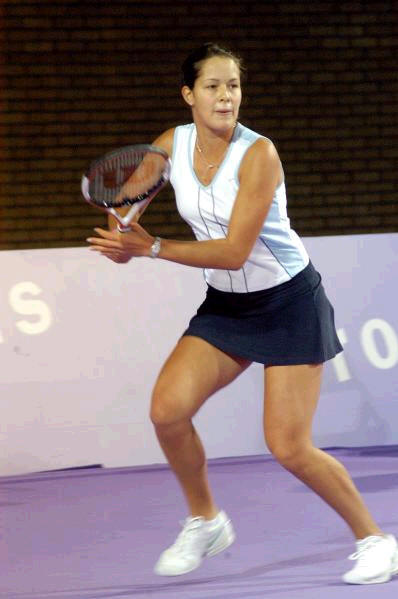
{"x":122,"y":222}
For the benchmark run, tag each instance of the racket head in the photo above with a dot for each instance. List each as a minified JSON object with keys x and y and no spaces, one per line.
{"x":126,"y":176}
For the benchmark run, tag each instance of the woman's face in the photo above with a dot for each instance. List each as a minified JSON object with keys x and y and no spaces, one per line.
{"x":216,"y":96}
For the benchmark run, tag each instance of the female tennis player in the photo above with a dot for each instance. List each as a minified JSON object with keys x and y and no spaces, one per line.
{"x":265,"y":303}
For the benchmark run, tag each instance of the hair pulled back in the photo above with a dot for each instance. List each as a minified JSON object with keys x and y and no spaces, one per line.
{"x":193,"y":62}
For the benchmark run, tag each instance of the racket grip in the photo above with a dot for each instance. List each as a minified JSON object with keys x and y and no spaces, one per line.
{"x":123,"y":228}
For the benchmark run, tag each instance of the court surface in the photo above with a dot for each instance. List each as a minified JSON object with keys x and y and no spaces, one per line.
{"x":96,"y":533}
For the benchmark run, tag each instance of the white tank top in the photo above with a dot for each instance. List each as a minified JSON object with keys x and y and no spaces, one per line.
{"x":278,"y":253}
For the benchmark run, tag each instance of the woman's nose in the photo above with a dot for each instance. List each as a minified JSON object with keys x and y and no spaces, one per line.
{"x":224,"y":93}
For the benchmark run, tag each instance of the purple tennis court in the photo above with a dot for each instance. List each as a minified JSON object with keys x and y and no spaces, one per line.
{"x":96,"y":533}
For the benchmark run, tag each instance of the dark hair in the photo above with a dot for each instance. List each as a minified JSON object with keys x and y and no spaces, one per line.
{"x":193,"y":62}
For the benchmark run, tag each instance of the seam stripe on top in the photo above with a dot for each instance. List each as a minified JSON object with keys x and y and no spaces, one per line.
{"x":222,"y":230}
{"x":201,"y":216}
{"x":244,"y":276}
{"x":276,"y":257}
{"x":205,"y":224}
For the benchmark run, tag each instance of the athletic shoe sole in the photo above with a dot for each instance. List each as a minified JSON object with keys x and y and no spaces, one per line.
{"x":386,"y":577}
{"x":222,"y":541}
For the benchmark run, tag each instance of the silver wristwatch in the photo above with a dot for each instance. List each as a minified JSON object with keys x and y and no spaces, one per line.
{"x":155,"y":248}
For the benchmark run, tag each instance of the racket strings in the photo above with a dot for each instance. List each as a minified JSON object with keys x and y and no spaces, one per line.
{"x":126,"y":179}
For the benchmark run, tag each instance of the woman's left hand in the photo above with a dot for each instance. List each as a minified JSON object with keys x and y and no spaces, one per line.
{"x":120,"y":247}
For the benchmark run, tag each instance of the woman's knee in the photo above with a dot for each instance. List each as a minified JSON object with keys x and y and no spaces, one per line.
{"x":169,"y":406}
{"x":290,"y":451}
{"x":163,"y":411}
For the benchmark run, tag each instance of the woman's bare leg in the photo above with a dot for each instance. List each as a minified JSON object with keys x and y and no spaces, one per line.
{"x":193,"y":372}
{"x":291,"y":397}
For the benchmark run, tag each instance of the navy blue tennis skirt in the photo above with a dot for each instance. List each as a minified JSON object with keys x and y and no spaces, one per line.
{"x":291,"y":323}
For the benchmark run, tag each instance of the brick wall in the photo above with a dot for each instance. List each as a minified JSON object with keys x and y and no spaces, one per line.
{"x":80,"y":78}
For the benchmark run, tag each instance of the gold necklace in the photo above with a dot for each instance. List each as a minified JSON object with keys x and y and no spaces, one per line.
{"x":209,"y":164}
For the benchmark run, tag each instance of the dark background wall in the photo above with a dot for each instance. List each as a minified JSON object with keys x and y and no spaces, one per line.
{"x":81,"y":78}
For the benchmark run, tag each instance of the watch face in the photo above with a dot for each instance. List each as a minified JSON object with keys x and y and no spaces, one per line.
{"x":155,"y":249}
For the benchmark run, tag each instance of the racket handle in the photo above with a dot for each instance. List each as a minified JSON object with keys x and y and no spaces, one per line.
{"x":123,"y":228}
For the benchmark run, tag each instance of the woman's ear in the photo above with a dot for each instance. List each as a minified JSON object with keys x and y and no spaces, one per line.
{"x":187,"y":94}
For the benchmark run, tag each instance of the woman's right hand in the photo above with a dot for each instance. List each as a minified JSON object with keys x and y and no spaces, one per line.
{"x":118,"y":256}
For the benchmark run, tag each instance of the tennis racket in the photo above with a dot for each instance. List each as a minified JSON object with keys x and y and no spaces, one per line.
{"x":130,"y":176}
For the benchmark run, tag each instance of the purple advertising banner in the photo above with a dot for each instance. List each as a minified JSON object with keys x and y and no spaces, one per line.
{"x":82,"y":340}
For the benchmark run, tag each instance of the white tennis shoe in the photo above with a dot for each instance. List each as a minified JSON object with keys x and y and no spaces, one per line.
{"x":377,"y":560}
{"x":198,"y":538}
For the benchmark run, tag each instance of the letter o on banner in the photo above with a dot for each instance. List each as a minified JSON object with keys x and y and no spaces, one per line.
{"x":390,"y":339}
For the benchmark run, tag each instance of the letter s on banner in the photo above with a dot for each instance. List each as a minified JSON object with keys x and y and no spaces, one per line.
{"x":31,"y":307}
{"x":390,"y":341}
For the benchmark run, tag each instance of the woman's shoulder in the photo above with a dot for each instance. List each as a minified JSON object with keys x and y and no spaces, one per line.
{"x":166,"y":139}
{"x":261,"y":152}
{"x":250,"y":136}
{"x":252,"y":143}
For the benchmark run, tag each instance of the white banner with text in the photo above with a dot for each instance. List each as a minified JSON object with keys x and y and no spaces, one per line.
{"x":82,"y":340}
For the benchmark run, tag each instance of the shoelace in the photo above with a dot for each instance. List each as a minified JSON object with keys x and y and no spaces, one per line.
{"x":187,"y":535}
{"x":362,"y":552}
